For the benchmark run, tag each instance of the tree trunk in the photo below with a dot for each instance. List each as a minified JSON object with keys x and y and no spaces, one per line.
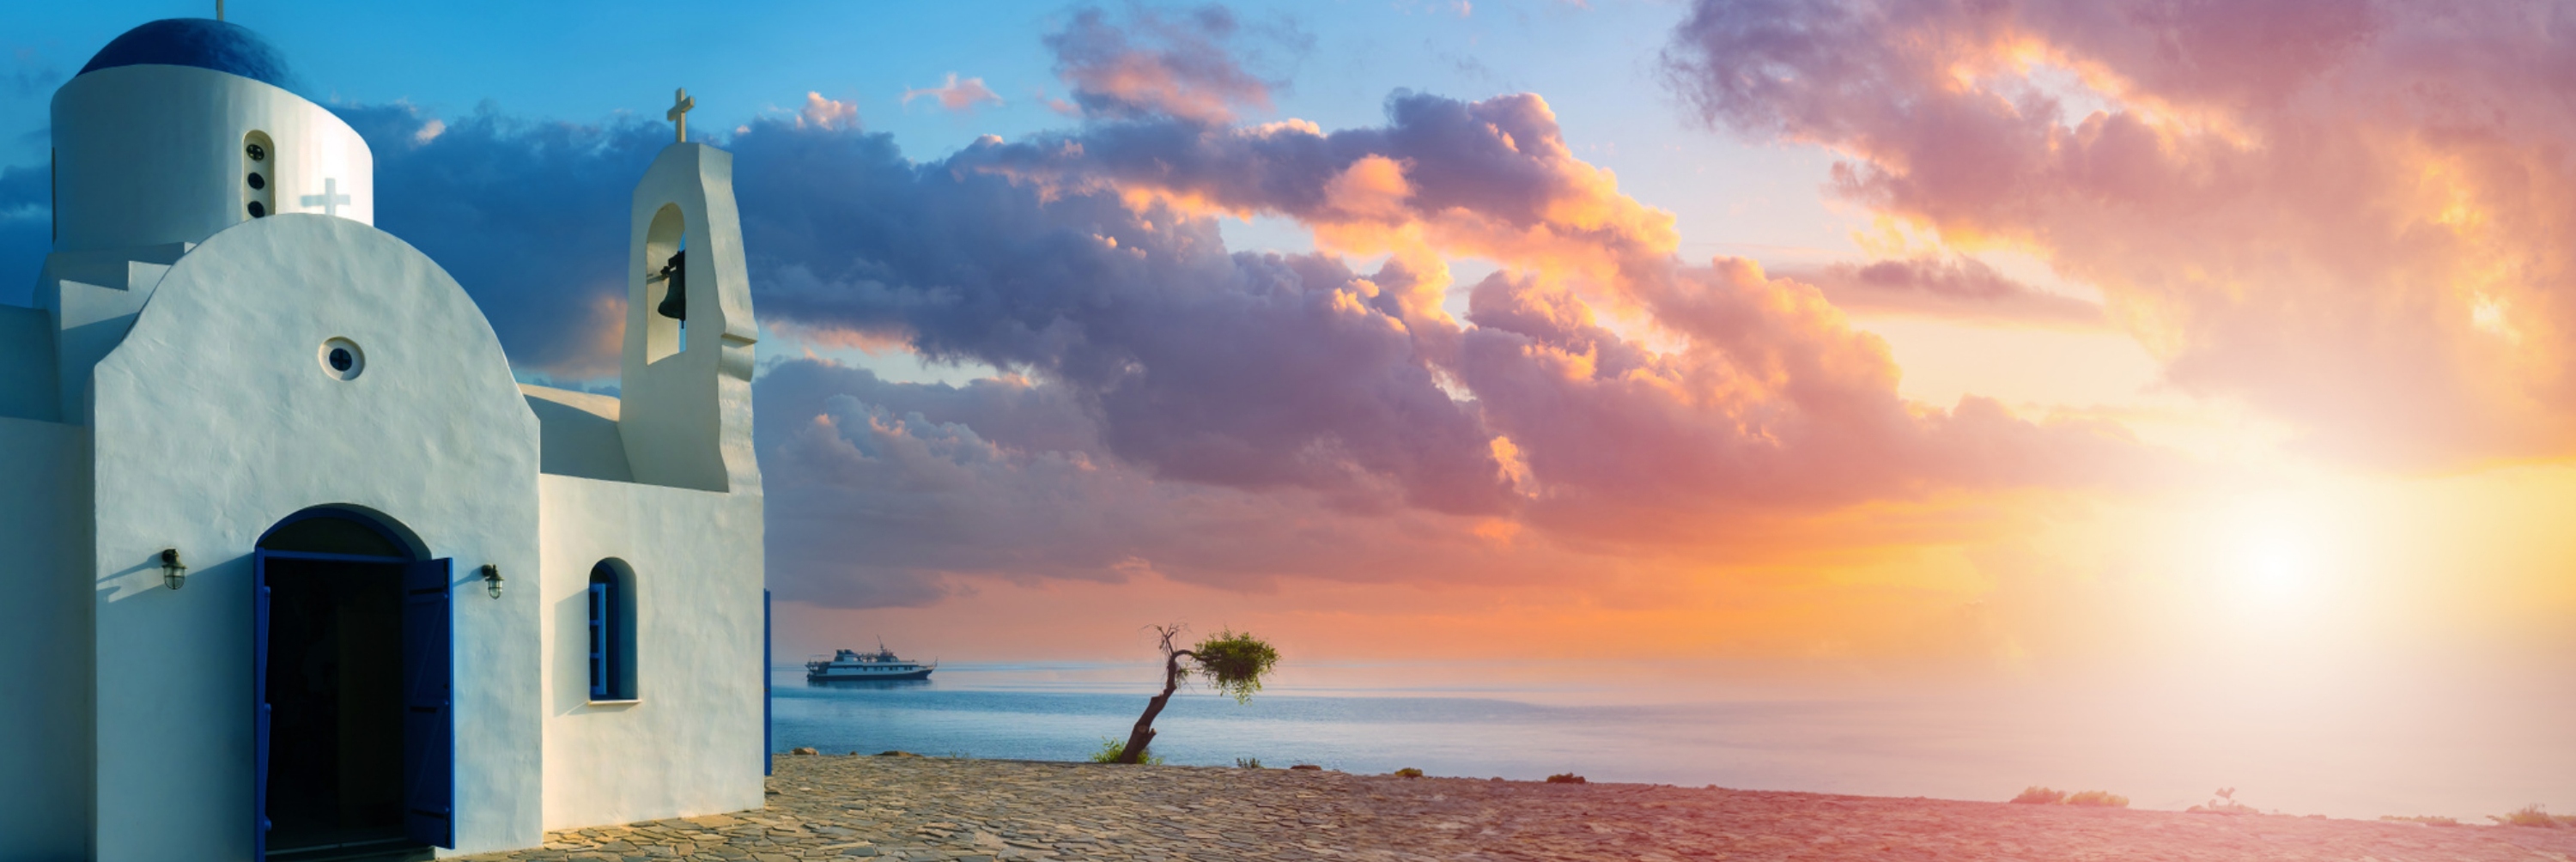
{"x":1143,"y":735}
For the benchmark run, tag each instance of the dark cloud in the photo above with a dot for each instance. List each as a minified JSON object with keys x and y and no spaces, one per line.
{"x":1501,"y":160}
{"x":529,"y":215}
{"x":883,"y":493}
{"x":1238,"y":369}
{"x":26,"y":229}
{"x":1959,"y":288}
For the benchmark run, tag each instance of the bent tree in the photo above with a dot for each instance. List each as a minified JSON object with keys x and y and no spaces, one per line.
{"x":1235,"y":663}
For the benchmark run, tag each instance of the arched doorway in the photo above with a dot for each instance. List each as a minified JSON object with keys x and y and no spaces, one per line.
{"x":351,"y":651}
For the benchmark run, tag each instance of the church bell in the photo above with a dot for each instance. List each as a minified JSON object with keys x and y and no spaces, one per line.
{"x":675,"y":303}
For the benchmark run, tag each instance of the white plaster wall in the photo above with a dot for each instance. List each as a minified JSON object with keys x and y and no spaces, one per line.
{"x":92,"y":296}
{"x":45,"y":635}
{"x":689,"y":527}
{"x":152,"y":154}
{"x":213,"y":420}
{"x":579,"y":434}
{"x":691,"y":742}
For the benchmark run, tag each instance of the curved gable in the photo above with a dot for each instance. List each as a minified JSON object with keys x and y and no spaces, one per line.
{"x":224,"y":396}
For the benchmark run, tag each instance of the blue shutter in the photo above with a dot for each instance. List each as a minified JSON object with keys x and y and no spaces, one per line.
{"x":259,"y":710}
{"x":599,"y":608}
{"x":767,"y":763}
{"x":429,"y":707}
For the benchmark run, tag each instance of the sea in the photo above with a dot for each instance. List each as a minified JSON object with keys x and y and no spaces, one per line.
{"x":2356,"y":749}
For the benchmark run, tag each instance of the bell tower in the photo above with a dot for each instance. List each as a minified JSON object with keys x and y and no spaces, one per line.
{"x":685,"y":413}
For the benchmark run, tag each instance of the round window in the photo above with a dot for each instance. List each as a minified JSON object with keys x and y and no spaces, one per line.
{"x":342,"y":359}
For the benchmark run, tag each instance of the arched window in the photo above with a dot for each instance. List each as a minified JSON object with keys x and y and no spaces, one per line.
{"x":259,"y":176}
{"x":666,"y":307}
{"x":612,"y":632}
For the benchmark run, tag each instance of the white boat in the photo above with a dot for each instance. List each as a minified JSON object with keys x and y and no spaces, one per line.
{"x":847,"y":665}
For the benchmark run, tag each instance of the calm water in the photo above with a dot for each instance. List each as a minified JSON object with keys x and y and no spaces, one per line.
{"x":2349,"y":751}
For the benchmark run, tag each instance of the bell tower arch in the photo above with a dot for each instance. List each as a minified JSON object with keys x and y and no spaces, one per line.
{"x":685,"y":412}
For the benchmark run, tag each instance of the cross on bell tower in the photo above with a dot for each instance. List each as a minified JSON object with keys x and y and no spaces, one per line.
{"x":679,"y":113}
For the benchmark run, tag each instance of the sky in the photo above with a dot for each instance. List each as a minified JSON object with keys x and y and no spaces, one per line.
{"x":1849,"y":339}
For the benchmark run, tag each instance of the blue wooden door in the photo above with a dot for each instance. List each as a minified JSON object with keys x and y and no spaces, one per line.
{"x":429,"y":704}
{"x":259,"y":709}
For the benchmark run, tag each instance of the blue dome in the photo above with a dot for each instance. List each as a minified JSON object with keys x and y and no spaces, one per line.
{"x":201,"y":42}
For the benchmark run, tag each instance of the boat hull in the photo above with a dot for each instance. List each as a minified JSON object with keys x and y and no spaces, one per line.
{"x":853,"y":676}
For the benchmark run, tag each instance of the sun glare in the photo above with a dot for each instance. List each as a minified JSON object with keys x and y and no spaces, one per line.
{"x":2274,"y":560}
{"x":2277,"y":568}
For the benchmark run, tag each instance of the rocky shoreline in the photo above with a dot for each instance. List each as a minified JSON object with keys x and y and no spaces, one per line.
{"x":933,"y":809}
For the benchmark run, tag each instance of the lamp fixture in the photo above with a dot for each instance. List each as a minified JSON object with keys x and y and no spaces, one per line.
{"x":492,"y":579}
{"x":174,"y":574}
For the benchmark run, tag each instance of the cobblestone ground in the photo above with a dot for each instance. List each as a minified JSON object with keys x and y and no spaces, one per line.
{"x":933,"y":810}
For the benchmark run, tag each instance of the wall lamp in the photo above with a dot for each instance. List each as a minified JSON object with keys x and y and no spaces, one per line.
{"x":492,"y":579}
{"x":174,"y":574}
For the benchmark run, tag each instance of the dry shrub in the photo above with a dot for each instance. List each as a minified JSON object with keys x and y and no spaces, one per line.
{"x":2098,"y":799}
{"x":1565,"y":778}
{"x":2428,"y":820}
{"x":1408,"y":772}
{"x":2532,"y":815}
{"x":1111,"y":750}
{"x":2037,"y":795}
{"x":2225,"y":804}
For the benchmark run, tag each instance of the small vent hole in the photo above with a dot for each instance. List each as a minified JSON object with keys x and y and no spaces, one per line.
{"x":342,"y":359}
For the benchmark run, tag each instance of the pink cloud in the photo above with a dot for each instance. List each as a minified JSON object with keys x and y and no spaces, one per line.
{"x":822,"y":113}
{"x":956,"y":95}
{"x":2351,"y":215}
{"x":1188,"y":65}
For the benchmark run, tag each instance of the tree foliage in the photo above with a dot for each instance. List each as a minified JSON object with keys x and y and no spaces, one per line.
{"x":1234,"y":663}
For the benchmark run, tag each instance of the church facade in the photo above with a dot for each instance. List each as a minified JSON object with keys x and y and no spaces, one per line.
{"x":298,"y":570}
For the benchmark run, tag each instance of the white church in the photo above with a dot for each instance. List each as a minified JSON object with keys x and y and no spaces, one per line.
{"x":296,"y":569}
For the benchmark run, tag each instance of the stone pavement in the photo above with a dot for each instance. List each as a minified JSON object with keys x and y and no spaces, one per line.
{"x":934,"y":810}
